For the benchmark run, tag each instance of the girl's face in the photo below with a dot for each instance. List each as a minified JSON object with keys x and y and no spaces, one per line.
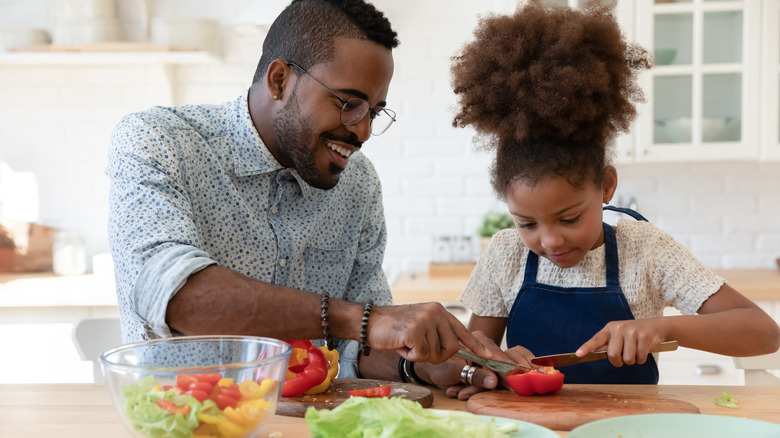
{"x":558,"y":221}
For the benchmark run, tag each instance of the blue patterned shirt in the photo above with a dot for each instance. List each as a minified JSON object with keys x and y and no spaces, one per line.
{"x":194,"y":185}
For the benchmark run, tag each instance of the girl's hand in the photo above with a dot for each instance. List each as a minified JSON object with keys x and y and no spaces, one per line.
{"x":626,"y":342}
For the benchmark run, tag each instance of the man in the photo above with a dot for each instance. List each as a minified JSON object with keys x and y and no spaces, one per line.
{"x":236,"y":218}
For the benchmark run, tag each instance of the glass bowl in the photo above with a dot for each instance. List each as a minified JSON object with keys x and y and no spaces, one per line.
{"x":219,"y":386}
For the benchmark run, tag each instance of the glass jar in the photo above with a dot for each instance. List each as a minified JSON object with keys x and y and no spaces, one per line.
{"x":69,"y":253}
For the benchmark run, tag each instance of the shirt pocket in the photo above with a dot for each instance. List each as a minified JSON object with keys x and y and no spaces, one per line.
{"x":328,"y":269}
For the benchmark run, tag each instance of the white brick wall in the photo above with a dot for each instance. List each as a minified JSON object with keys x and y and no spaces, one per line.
{"x":55,"y":120}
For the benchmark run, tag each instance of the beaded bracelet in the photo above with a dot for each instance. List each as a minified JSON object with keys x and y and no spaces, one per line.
{"x":324,"y":316}
{"x":362,"y":347}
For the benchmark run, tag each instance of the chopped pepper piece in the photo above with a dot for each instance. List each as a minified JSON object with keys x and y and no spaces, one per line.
{"x":333,"y":370}
{"x":313,"y":374}
{"x":536,"y":382}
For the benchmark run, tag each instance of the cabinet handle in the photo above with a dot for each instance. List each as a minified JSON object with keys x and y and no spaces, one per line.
{"x":708,"y":370}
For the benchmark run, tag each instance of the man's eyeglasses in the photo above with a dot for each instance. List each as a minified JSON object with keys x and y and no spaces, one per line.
{"x":355,"y":109}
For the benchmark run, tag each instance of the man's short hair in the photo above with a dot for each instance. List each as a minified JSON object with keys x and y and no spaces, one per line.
{"x":305,"y":32}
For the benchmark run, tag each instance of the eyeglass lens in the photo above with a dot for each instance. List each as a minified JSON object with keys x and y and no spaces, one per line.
{"x":355,"y":109}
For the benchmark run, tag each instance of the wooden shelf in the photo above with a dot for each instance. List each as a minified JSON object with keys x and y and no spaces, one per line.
{"x":107,"y":58}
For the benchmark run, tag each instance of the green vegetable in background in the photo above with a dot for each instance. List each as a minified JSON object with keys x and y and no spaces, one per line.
{"x":398,"y":418}
{"x":494,"y":222}
{"x":726,"y":400}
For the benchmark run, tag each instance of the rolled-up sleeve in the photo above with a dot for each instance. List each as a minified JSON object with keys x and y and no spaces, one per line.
{"x":153,"y":239}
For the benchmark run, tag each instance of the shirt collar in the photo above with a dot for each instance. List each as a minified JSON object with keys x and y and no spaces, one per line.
{"x":250,"y":155}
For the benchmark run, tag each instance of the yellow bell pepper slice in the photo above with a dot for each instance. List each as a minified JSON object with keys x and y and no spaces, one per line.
{"x":231,"y":430}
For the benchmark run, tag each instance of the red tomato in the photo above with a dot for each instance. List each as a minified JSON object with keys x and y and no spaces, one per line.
{"x":184,"y":381}
{"x":231,"y":390}
{"x":380,"y":391}
{"x":535,"y":382}
{"x":212,"y":379}
{"x":224,"y":401}
{"x":202,"y":386}
{"x":199,"y":395}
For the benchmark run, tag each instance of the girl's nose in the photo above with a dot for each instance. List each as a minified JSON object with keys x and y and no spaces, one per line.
{"x":551,"y":240}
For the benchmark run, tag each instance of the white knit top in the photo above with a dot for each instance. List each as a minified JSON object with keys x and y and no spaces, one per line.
{"x":656,"y":271}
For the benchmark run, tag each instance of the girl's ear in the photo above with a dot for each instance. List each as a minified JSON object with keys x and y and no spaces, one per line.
{"x":610,"y":183}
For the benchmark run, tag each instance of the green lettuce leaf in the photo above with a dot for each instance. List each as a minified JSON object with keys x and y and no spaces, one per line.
{"x":141,"y":410}
{"x":726,"y":400}
{"x":398,"y":418}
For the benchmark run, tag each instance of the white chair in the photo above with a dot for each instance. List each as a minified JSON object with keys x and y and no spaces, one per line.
{"x":93,"y":336}
{"x":756,"y":367}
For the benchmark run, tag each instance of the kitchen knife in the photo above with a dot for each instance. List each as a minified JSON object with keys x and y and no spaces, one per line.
{"x":562,"y":360}
{"x":502,"y":368}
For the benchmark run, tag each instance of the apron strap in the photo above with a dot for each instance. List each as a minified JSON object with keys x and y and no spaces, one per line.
{"x":611,"y":256}
{"x":627,"y":211}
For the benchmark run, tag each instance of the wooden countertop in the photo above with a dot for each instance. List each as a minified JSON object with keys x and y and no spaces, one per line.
{"x":80,"y":410}
{"x":756,"y":284}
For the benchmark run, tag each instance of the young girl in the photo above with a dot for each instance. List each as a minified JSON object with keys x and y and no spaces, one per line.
{"x":547,"y":89}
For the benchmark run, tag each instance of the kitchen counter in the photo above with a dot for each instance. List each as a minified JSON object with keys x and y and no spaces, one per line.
{"x":79,"y":410}
{"x":756,"y":284}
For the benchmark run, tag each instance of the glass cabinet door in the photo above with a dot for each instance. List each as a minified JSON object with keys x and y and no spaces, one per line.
{"x":704,"y":88}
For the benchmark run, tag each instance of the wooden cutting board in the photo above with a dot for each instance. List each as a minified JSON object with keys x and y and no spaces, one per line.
{"x":339,"y":392}
{"x":571,"y":407}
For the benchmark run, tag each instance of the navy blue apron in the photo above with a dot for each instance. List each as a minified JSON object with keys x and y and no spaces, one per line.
{"x":551,"y":319}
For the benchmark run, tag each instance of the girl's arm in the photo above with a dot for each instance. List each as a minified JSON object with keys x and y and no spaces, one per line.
{"x":728,"y":323}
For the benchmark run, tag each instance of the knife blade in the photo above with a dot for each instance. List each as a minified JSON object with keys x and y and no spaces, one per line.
{"x":562,"y":360}
{"x":500,"y":367}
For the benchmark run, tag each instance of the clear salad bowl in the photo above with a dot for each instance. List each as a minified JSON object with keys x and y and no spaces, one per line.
{"x":193,"y":386}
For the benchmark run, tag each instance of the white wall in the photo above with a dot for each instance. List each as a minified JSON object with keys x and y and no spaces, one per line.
{"x":55,"y":121}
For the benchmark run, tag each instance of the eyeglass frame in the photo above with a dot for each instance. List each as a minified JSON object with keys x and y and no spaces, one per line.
{"x":371,"y":113}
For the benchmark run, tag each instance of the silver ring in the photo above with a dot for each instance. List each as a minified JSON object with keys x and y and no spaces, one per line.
{"x":467,"y":373}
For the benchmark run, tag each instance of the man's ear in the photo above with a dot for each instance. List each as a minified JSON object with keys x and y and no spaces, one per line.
{"x":277,"y":77}
{"x":610,"y":183}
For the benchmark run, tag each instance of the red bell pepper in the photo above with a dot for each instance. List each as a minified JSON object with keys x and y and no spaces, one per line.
{"x":314,"y":373}
{"x":379,"y":391}
{"x":536,"y":382}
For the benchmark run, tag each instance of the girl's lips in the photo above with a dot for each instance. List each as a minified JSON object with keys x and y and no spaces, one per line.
{"x":560,"y":256}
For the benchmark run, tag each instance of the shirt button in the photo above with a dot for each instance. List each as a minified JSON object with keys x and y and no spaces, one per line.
{"x":274,"y":209}
{"x":283,"y":263}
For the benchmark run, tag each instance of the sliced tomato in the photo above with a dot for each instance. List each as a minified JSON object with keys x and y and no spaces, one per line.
{"x":212,"y":379}
{"x":199,"y":395}
{"x":224,"y":401}
{"x":184,"y":381}
{"x":379,"y":391}
{"x":202,"y":386}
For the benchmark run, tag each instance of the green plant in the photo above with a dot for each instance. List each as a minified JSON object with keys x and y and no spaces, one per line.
{"x":494,"y":222}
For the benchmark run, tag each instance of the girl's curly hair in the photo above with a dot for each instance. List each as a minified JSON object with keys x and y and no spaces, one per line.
{"x":548,"y":88}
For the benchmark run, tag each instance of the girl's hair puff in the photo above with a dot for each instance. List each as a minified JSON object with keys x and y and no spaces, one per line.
{"x":546,"y":86}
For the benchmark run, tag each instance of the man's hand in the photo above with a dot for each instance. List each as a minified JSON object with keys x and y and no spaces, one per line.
{"x":424,"y":332}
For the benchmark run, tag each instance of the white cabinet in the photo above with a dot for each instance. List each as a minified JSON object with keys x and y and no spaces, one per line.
{"x":770,"y":81}
{"x":704,"y":96}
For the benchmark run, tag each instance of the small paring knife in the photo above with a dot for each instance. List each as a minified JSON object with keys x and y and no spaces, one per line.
{"x":562,"y":360}
{"x":500,"y":367}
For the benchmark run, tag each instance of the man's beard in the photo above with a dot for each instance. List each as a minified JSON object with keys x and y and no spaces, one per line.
{"x":293,"y":131}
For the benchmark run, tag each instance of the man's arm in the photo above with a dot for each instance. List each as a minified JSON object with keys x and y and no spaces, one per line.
{"x":218,"y":300}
